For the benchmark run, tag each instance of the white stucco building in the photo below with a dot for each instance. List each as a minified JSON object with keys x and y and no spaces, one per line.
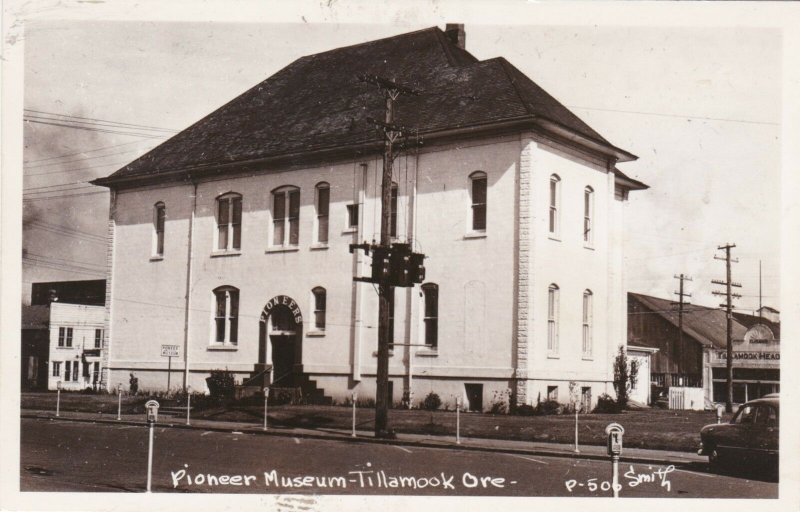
{"x":76,"y":343}
{"x":231,"y":239}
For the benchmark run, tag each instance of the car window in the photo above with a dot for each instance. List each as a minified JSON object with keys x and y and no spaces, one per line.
{"x":766,"y":416}
{"x":746,"y":415}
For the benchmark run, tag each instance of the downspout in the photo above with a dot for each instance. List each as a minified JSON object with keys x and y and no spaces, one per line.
{"x":187,"y":312}
{"x":412,"y":235}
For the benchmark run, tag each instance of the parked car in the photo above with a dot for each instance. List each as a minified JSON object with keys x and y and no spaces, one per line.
{"x":751,"y":436}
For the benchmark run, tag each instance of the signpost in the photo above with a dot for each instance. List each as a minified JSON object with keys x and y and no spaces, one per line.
{"x":458,"y":420}
{"x":119,"y":401}
{"x":58,"y":398}
{"x":169,"y":351}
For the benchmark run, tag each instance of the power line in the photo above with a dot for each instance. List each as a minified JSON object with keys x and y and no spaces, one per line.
{"x":38,"y":198}
{"x":117,"y":132}
{"x":94,"y":120}
{"x":63,"y":162}
{"x":82,"y":152}
{"x":682,"y":116}
{"x":79,"y":168}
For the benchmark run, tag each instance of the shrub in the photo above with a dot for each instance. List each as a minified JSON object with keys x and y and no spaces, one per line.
{"x":221,"y":384}
{"x":548,"y":407}
{"x":606,"y":405}
{"x":499,"y":402}
{"x":431,"y":402}
{"x":525,"y":410}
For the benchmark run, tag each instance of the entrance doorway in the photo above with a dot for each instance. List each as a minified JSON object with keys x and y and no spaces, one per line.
{"x":280,"y":342}
{"x":474,"y":396}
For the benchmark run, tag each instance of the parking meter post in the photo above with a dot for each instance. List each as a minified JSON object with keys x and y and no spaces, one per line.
{"x":188,"y":405}
{"x":576,"y":431}
{"x":614,"y":431}
{"x":266,"y":398}
{"x":354,"y":397}
{"x":152,"y":416}
{"x":615,"y":476}
{"x":458,"y":420}
{"x":58,"y":399}
{"x":119,"y":402}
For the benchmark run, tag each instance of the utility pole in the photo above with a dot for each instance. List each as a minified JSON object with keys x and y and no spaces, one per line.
{"x":680,"y":293}
{"x":728,"y":283}
{"x":391,"y":133}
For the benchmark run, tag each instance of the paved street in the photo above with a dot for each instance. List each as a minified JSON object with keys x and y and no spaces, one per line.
{"x":71,"y":456}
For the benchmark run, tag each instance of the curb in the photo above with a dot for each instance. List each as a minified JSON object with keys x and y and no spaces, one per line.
{"x":641,"y":459}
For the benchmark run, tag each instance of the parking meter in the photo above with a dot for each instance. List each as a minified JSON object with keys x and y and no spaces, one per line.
{"x":614,"y":432}
{"x":152,"y":411}
{"x":58,"y":385}
{"x":719,"y":414}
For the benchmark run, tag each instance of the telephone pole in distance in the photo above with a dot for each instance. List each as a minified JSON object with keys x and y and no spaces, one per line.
{"x":728,"y":283}
{"x":681,"y":294}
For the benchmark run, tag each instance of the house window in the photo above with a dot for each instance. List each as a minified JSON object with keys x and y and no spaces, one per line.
{"x":67,"y":371}
{"x":65,"y":336}
{"x":319,"y":308}
{"x":229,"y":222}
{"x":478,"y":188}
{"x":552,"y":320}
{"x":74,"y":371}
{"x":393,"y":212}
{"x":555,"y":200}
{"x":430,"y":293}
{"x":323,"y":205}
{"x":56,"y":368}
{"x":588,"y":207}
{"x":159,"y":216}
{"x":352,"y":216}
{"x":286,"y":216}
{"x":98,"y":338}
{"x":552,"y":393}
{"x":226,"y":315}
{"x":587,"y":323}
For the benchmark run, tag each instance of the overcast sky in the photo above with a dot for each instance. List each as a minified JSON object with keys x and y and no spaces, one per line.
{"x":701,"y":107}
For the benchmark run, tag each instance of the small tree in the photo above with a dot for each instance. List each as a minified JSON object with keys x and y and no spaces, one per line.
{"x":625,"y":376}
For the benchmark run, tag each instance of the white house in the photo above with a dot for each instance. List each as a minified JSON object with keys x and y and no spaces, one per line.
{"x":76,"y":345}
{"x":231,"y":239}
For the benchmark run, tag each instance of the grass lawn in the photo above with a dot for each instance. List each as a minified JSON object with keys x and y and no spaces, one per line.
{"x":651,"y":428}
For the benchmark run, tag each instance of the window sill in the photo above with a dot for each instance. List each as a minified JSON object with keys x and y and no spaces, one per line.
{"x":587,"y":358}
{"x":65,"y":348}
{"x":553,"y":356}
{"x":375,"y":353}
{"x":588,"y":247}
{"x":475,"y":234}
{"x":226,"y":253}
{"x":427,"y":352}
{"x":223,"y":348}
{"x":350,"y":231}
{"x":553,"y":237}
{"x":282,"y":248}
{"x":315,"y":334}
{"x":156,"y":258}
{"x":319,"y":247}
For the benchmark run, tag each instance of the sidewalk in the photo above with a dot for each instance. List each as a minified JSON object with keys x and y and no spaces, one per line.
{"x":630,"y":455}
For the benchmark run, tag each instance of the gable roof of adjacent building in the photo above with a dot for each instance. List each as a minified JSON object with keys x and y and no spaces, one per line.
{"x":316,"y":107}
{"x":708,"y":326}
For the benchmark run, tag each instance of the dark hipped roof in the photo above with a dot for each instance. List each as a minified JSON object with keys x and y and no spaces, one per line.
{"x":318,"y":103}
{"x":706,"y":325}
{"x":35,"y":317}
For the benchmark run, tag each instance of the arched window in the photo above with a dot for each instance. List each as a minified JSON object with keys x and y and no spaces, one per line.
{"x":229,"y":222}
{"x":323,"y":193}
{"x":587,"y":323}
{"x":555,"y":203}
{"x":286,"y":216}
{"x":478,"y":184}
{"x":552,"y":320}
{"x":226,"y":315}
{"x":159,"y":217}
{"x":588,"y":211}
{"x":393,"y":212}
{"x":320,"y":299}
{"x":430,"y":294}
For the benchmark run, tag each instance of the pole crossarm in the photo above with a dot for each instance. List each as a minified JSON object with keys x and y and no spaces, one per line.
{"x":385,"y":83}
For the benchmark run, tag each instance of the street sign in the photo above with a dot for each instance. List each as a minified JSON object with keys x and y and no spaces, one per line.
{"x":169,"y":350}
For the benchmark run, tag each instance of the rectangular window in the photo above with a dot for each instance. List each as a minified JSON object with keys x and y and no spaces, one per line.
{"x":229,"y":223}
{"x":286,"y":217}
{"x":352,"y":216}
{"x":552,"y":393}
{"x":587,"y":324}
{"x":393,"y":213}
{"x":323,"y":205}
{"x":552,"y":320}
{"x":56,"y":368}
{"x":161,"y":214}
{"x":479,"y":202}
{"x":96,"y":373}
{"x":62,"y":333}
{"x":67,"y":371}
{"x":588,"y":198}
{"x":98,"y":338}
{"x":319,"y":308}
{"x":226,"y":316}
{"x":586,"y":399}
{"x":555,"y":183}
{"x":431,"y":295}
{"x":68,"y":341}
{"x":75,"y":371}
